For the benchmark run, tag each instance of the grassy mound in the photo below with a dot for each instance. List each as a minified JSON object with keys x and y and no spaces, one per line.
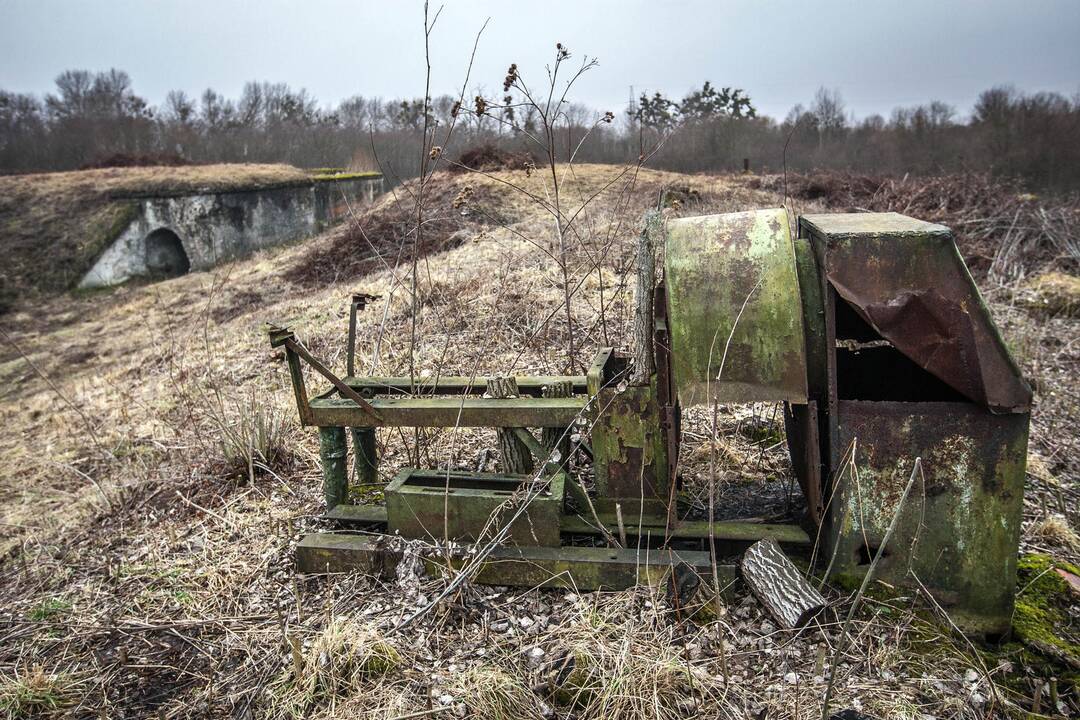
{"x":54,"y":225}
{"x":1054,"y":294}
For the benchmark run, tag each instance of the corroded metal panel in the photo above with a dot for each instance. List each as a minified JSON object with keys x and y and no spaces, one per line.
{"x":734,"y":308}
{"x":630,"y":450}
{"x":959,"y":529}
{"x":907,"y":279}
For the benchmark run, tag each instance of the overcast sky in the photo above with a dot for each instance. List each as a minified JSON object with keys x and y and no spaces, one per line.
{"x":878,"y":54}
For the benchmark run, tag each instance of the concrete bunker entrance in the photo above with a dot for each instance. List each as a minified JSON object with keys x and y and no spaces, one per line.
{"x":165,"y":254}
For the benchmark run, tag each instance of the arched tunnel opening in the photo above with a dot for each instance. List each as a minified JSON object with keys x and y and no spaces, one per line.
{"x":165,"y":255}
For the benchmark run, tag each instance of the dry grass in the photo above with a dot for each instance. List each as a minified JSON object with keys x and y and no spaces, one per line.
{"x":1056,"y":530}
{"x":140,"y":566}
{"x":498,"y":693}
{"x":337,"y":663}
{"x":1053,"y":293}
{"x":35,"y":693}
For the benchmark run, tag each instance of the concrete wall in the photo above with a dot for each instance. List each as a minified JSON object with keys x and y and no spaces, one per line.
{"x":217,"y":227}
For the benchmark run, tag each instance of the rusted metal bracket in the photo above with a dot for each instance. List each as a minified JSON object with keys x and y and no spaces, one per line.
{"x":359,"y":302}
{"x":283,"y":337}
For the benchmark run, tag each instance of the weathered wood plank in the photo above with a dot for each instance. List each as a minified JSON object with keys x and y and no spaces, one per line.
{"x":728,"y":530}
{"x":450,"y":412}
{"x":532,"y":385}
{"x":581,"y":568}
{"x":554,"y":438}
{"x":516,"y":458}
{"x":651,"y":236}
{"x":779,"y":585}
{"x":359,"y":514}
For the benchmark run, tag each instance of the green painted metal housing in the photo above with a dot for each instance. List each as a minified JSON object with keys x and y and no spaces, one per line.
{"x":735,"y":309}
{"x":912,"y":366}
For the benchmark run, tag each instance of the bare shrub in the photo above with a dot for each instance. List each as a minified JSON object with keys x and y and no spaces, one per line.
{"x":252,"y":436}
{"x":489,"y":156}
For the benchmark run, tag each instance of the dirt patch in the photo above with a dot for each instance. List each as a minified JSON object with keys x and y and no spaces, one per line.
{"x":490,"y":157}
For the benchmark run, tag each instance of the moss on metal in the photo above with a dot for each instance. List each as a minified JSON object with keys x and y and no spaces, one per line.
{"x":959,"y":530}
{"x":629,"y":449}
{"x":734,"y":276}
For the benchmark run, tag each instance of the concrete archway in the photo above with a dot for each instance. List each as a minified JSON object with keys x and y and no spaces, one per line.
{"x":165,"y":254}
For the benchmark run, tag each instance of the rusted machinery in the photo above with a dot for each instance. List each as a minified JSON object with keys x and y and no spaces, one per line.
{"x":867,"y":327}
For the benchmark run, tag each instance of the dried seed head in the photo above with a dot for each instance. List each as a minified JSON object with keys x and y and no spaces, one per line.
{"x":436,"y":151}
{"x":481,"y":105}
{"x":608,"y":117}
{"x":463,"y":197}
{"x":455,"y":109}
{"x":511,"y":77}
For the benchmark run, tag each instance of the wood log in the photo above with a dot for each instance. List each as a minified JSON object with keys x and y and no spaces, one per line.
{"x":648,"y":240}
{"x":332,"y":454}
{"x":516,"y":458}
{"x":779,"y":585}
{"x":557,"y":438}
{"x":365,"y":456}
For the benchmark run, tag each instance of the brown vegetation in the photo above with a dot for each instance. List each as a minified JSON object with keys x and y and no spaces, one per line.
{"x":1001,"y":228}
{"x":146,"y":573}
{"x":137,"y":160}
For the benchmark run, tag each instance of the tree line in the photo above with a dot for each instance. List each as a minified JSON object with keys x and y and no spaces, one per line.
{"x":90,"y":117}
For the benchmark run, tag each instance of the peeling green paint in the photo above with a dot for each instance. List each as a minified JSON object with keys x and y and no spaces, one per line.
{"x":959,"y":530}
{"x":734,"y":276}
{"x":630,"y":450}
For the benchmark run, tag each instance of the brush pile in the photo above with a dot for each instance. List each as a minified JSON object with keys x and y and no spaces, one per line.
{"x":489,"y":157}
{"x":1003,"y":231}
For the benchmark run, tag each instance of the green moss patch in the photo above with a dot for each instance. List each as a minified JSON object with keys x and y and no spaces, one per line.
{"x":1043,"y":620}
{"x":336,"y":176}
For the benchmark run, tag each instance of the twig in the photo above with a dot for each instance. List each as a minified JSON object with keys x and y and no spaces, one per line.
{"x":842,"y":641}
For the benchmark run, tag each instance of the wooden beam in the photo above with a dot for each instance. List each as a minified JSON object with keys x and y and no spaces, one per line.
{"x":532,"y":385}
{"x":580,"y":568}
{"x":449,"y":412}
{"x":728,"y":530}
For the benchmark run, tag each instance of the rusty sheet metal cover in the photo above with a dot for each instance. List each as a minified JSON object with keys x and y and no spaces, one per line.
{"x":716,"y":267}
{"x":907,"y":279}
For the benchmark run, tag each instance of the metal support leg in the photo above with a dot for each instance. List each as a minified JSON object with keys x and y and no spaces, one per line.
{"x":332,"y":453}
